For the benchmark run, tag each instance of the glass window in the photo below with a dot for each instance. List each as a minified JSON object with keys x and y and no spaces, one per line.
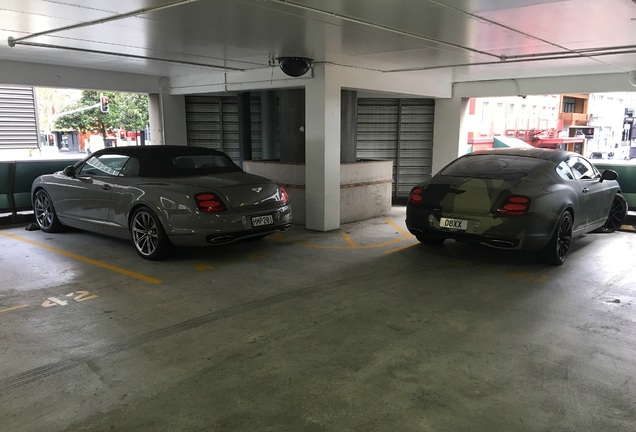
{"x":564,"y":171}
{"x":569,"y":104}
{"x":107,"y":165}
{"x":131,"y":168}
{"x":582,"y":169}
{"x":492,"y":166}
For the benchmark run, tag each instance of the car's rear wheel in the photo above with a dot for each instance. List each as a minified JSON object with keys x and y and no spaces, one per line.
{"x":430,"y":240}
{"x":557,"y":249}
{"x":617,"y":215}
{"x":44,"y":212}
{"x":149,"y":238}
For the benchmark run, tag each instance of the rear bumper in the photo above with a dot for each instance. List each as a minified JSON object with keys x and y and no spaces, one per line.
{"x":210,"y":229}
{"x":529,"y":232}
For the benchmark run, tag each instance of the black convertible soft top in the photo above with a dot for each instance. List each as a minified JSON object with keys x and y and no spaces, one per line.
{"x":159,"y":160}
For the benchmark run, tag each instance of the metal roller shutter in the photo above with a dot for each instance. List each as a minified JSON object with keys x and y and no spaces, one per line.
{"x":18,"y":118}
{"x":212,"y":121}
{"x":401,"y":130}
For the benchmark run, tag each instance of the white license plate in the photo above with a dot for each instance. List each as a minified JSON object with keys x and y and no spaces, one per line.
{"x":262,"y":220}
{"x":454,"y":224}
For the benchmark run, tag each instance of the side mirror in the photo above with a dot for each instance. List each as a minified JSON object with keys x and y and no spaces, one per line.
{"x":69,"y":171}
{"x":609,"y":175}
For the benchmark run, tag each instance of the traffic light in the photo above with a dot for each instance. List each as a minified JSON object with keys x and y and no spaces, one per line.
{"x":104,"y":103}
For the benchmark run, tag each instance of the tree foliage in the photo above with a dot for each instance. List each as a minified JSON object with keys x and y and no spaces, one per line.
{"x":127,"y":111}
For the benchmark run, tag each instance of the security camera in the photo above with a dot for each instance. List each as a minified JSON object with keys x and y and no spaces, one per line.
{"x":294,"y":66}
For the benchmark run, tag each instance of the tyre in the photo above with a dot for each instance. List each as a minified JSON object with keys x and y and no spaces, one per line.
{"x":44,"y":212}
{"x":616,"y":217}
{"x":556,"y":251}
{"x":430,"y":240}
{"x":148,"y":236}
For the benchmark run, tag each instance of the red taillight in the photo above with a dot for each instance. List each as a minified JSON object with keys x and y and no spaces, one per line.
{"x":514,"y":205}
{"x":416,"y":196}
{"x":284,"y":196}
{"x":209,"y":202}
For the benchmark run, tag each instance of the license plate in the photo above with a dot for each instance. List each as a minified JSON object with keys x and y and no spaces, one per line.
{"x":262,"y":220}
{"x":454,"y":224}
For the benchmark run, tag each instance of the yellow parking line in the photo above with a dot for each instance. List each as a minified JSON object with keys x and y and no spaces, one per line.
{"x":86,"y":260}
{"x":399,"y":228}
{"x":13,"y":308}
{"x":400,"y":248}
{"x":348,"y":239}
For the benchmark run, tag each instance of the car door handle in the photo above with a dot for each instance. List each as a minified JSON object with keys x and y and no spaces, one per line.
{"x":585,"y":190}
{"x":106,"y":187}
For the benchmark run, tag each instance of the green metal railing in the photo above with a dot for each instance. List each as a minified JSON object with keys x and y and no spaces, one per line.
{"x":626,"y":177}
{"x":16,"y":178}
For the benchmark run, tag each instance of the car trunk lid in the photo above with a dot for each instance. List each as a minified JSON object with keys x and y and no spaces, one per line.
{"x":467,"y":195}
{"x":239,"y":189}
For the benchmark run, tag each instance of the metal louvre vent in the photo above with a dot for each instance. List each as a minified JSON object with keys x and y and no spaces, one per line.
{"x":18,"y":118}
{"x":402,"y":130}
{"x":212,"y":121}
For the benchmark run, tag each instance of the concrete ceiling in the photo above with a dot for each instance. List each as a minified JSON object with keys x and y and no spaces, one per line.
{"x":470,"y":40}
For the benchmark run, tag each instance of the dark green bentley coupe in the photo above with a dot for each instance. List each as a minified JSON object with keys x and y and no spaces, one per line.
{"x":520,"y":199}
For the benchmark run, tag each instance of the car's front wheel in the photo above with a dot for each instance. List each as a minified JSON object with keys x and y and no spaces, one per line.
{"x":557,"y":249}
{"x":617,"y":215}
{"x":44,"y":212}
{"x":148,"y":236}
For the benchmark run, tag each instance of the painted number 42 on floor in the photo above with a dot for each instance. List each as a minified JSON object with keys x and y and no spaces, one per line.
{"x":77,"y":296}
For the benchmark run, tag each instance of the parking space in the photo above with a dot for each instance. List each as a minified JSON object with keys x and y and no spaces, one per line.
{"x":357,"y":329}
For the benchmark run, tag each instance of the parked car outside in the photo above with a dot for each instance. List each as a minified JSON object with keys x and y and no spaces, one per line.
{"x":601,"y":155}
{"x":518,"y":199}
{"x":161,"y":197}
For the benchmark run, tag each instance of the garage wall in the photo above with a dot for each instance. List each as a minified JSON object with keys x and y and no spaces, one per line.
{"x":397,"y":129}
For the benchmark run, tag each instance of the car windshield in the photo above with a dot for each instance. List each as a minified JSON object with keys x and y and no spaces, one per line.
{"x":492,"y":166}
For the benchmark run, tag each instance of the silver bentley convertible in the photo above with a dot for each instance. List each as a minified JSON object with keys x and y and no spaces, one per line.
{"x":161,"y":197}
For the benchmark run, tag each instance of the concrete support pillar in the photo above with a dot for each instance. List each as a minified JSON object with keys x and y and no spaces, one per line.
{"x":292,"y":125}
{"x":172,"y":124}
{"x":322,"y":174}
{"x":348,"y":126}
{"x":245,"y":127}
{"x":268,"y":125}
{"x":154,"y":119}
{"x":450,"y":133}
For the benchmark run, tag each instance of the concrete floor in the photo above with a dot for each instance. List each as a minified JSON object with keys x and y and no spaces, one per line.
{"x":357,"y":330}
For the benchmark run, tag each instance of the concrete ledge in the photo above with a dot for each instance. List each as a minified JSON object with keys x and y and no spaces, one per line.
{"x":365,"y":187}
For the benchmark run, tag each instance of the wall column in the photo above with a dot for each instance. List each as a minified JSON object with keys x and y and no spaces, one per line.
{"x":173,"y":120}
{"x":322,"y":143}
{"x":154,"y":118}
{"x":449,"y":134}
{"x":268,"y":125}
{"x":292,"y":125}
{"x":349,"y":127}
{"x":245,"y":127}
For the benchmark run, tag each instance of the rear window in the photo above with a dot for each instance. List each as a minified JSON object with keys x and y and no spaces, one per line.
{"x":188,"y":164}
{"x":492,"y":166}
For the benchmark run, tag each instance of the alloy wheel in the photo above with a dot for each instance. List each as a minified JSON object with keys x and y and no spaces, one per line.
{"x":145,"y":233}
{"x":617,"y":215}
{"x":564,"y":236}
{"x":43,"y":210}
